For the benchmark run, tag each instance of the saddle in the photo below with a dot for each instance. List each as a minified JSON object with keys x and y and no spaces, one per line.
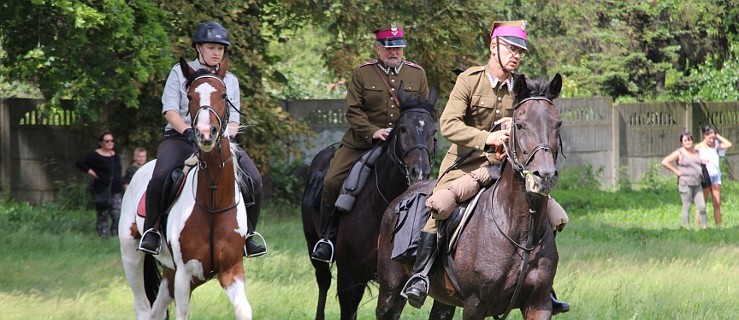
{"x":352,"y":185}
{"x":172,"y":187}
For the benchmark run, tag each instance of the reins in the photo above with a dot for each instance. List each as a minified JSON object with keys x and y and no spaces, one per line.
{"x":212,"y":181}
{"x":392,"y":149}
{"x":520,"y":168}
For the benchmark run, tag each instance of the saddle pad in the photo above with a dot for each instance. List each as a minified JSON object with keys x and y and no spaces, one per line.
{"x":141,"y":207}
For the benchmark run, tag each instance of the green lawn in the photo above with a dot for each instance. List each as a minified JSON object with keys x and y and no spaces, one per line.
{"x":623,"y":256}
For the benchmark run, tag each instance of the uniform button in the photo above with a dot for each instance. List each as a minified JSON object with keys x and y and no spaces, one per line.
{"x":392,"y":89}
{"x":389,"y":124}
{"x":373,"y":87}
{"x":482,"y":103}
{"x":391,"y":115}
{"x":497,"y":111}
{"x":500,"y":99}
{"x":392,"y":106}
{"x":477,"y":147}
{"x":392,"y":80}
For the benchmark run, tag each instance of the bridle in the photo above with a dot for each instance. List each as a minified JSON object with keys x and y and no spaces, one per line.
{"x":393,"y":148}
{"x":511,"y":153}
{"x":520,"y":168}
{"x":212,"y":181}
{"x":220,"y":118}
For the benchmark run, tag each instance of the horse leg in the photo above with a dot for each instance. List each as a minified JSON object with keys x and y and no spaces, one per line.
{"x":441,"y":311}
{"x":232,"y":281}
{"x":133,"y":266}
{"x":350,"y":290}
{"x":323,"y":279}
{"x":390,"y":303}
{"x":164,"y":295}
{"x":473,"y":309}
{"x":182,"y":292}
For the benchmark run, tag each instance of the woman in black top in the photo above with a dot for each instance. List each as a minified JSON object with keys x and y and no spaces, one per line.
{"x":104,"y":166}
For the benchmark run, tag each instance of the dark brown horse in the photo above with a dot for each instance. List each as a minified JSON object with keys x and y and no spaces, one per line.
{"x":506,"y":257}
{"x":406,"y":158}
{"x":206,"y":225}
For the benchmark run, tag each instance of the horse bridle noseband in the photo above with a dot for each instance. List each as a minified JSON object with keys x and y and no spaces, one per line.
{"x":511,"y":150}
{"x":392,"y":147}
{"x":226,"y":113}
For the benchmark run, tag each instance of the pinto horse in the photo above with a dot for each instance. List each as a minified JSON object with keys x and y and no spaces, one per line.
{"x":407,"y":157}
{"x":206,"y":225}
{"x":506,"y":257}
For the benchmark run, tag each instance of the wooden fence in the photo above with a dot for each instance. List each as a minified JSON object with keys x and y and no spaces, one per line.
{"x":631,"y":138}
{"x":37,"y":152}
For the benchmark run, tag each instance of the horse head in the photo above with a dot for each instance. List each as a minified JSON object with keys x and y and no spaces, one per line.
{"x":412,"y":141}
{"x":534,"y":138}
{"x":207,"y":94}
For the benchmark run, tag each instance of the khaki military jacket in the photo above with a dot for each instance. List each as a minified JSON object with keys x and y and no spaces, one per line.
{"x":369,"y":105}
{"x":473,"y":107}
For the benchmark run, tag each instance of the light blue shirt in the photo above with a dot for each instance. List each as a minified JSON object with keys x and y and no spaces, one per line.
{"x":174,"y":96}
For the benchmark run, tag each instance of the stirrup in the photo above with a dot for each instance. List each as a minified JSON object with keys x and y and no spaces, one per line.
{"x":331,"y":256}
{"x":159,"y":244}
{"x":413,"y":279}
{"x":264,"y":242}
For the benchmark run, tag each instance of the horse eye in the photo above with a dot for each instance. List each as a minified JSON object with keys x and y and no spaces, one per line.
{"x":189,"y":97}
{"x":558,"y":124}
{"x":519,"y":126}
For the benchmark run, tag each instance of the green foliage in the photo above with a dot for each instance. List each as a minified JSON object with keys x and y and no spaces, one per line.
{"x":73,"y":194}
{"x":712,"y":80}
{"x":288,"y":181}
{"x":580,"y":177}
{"x":654,"y":182}
{"x":91,"y":52}
{"x":623,"y":179}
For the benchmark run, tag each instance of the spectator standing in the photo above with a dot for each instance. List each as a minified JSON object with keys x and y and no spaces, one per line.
{"x":711,"y":148}
{"x":689,"y":178}
{"x":139,"y":159}
{"x":104,"y":166}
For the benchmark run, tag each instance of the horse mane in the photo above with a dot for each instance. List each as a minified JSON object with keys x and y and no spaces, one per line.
{"x":197,"y":74}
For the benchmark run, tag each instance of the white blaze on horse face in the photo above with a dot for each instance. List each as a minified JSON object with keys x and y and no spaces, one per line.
{"x":203,"y":125}
{"x":420,"y":126}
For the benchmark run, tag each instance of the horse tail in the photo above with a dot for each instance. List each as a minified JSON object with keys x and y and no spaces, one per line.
{"x":152,"y":278}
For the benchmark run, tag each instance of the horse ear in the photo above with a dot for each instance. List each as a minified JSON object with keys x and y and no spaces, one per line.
{"x":554,"y":87}
{"x":520,"y":88}
{"x":433,"y":95}
{"x":401,"y":94}
{"x":221,"y":73}
{"x":186,"y":70}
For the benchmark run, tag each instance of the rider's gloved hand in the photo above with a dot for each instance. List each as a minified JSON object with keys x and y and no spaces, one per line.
{"x":189,"y":134}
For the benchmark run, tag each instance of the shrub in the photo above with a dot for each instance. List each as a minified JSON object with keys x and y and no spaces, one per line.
{"x":580,"y":177}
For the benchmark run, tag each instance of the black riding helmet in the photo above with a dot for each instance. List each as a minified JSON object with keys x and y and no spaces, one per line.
{"x":210,"y":32}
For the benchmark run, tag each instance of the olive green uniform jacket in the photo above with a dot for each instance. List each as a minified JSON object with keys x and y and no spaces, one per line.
{"x":369,"y":107}
{"x":473,"y":107}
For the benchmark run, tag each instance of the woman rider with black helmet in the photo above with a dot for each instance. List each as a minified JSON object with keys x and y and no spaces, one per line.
{"x":210,"y":42}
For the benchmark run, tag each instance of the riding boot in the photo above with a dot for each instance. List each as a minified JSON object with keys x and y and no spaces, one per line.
{"x":417,"y":287}
{"x":324,"y":248}
{"x":558,"y":306}
{"x":253,"y":248}
{"x":151,"y":239}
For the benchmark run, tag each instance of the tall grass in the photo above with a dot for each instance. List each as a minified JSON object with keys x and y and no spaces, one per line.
{"x":623,"y":256}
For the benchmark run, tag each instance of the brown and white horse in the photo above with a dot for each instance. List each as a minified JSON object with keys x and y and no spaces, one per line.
{"x":206,"y":225}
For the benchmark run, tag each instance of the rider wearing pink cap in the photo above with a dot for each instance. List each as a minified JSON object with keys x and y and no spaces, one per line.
{"x":475,"y":120}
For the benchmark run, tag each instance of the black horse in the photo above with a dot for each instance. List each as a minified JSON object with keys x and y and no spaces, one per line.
{"x":506,"y":257}
{"x":407,"y":157}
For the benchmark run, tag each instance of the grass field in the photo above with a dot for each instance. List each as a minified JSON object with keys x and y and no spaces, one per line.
{"x":623,"y":256}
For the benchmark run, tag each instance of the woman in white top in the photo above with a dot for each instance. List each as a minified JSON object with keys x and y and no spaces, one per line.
{"x":710,"y":148}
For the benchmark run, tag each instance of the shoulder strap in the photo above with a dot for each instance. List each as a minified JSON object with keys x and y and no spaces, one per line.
{"x":387,"y":85}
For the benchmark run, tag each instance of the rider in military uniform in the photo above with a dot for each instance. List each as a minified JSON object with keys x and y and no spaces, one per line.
{"x":371,"y":111}
{"x":476,"y":120}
